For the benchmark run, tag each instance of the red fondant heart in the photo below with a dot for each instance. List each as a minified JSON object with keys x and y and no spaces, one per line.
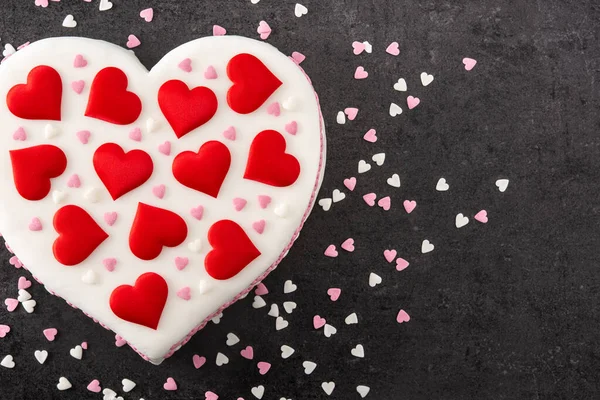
{"x":205,"y":170}
{"x":109,"y":99}
{"x":253,"y":83}
{"x":154,"y":228}
{"x":143,"y":302}
{"x":33,"y":167}
{"x":39,"y":98}
{"x":232,"y":250}
{"x":119,"y":171}
{"x":269,"y":163}
{"x":78,"y":235}
{"x":186,"y":109}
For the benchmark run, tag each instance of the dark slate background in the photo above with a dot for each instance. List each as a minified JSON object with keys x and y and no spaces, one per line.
{"x":507,"y":310}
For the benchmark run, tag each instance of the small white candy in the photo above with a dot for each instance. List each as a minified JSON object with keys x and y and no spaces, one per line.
{"x":8,"y":362}
{"x":29,"y":305}
{"x":76,"y":352}
{"x":195,"y":246}
{"x":50,"y":131}
{"x":274,"y":311}
{"x":89,"y":277}
{"x":41,"y":356}
{"x":281,"y":323}
{"x":289,"y":306}
{"x":128,"y":385}
{"x":63,"y":384}
{"x":341,"y":118}
{"x":289,"y":287}
{"x":232,"y":339}
{"x":258,"y":302}
{"x":286,"y":351}
{"x":351,"y":319}
{"x":222,"y":359}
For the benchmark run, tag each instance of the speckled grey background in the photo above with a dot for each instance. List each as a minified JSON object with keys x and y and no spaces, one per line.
{"x":507,"y":310}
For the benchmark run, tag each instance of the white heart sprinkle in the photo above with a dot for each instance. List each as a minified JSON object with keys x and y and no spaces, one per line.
{"x":89,"y":277}
{"x":289,"y":104}
{"x":8,"y":362}
{"x":426,"y":246}
{"x":50,"y":131}
{"x":325,"y":204}
{"x":441,"y":185}
{"x":69,"y":22}
{"x":374,"y":279}
{"x":328,"y":387}
{"x":281,"y":323}
{"x":40,"y":356}
{"x":258,"y":391}
{"x":329,"y":330}
{"x":151,"y":125}
{"x":426,"y":78}
{"x":274,"y":311}
{"x":281,"y":210}
{"x":222,"y":359}
{"x":58,"y":196}
{"x":92,"y":195}
{"x":341,"y":118}
{"x":63,"y":383}
{"x":254,"y":1}
{"x":289,"y":287}
{"x":232,"y":339}
{"x":9,"y":50}
{"x":502,"y":184}
{"x":195,"y":246}
{"x":24,"y":295}
{"x":394,"y":181}
{"x":338,"y":196}
{"x":363,"y":166}
{"x":29,"y":305}
{"x":109,"y":394}
{"x":76,"y":352}
{"x":217,"y":319}
{"x":461,"y":220}
{"x":128,"y":385}
{"x":258,"y":302}
{"x":203,"y":287}
{"x":400,"y":86}
{"x":351,"y":319}
{"x":289,"y":306}
{"x":300,"y":10}
{"x":379,"y":159}
{"x":309,"y":367}
{"x":395,"y":110}
{"x":358,"y":351}
{"x":286,"y":351}
{"x":105,"y":5}
{"x":363,"y":391}
{"x":368,"y":47}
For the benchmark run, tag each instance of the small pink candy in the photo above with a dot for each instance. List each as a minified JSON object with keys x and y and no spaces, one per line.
{"x":42,"y":3}
{"x":23,"y":283}
{"x":11,"y":304}
{"x":84,"y":345}
{"x":197,"y":212}
{"x":259,"y":226}
{"x":274,"y":109}
{"x":20,"y":134}
{"x":482,"y":217}
{"x":360,"y":73}
{"x":79,"y":61}
{"x":185,"y":65}
{"x":35,"y":224}
{"x":184,"y":293}
{"x":83,"y":136}
{"x":198,"y":361}
{"x":390,"y":255}
{"x":412,"y":102}
{"x":14,"y":261}
{"x":181,"y":262}
{"x":401,"y":264}
{"x":393,"y":49}
{"x":334,"y":293}
{"x":159,"y":191}
{"x":261,"y":289}
{"x":263,"y":367}
{"x":350,"y":183}
{"x":119,"y":341}
{"x":351,"y":112}
{"x":147,"y":14}
{"x":239,"y":203}
{"x":409,"y":205}
{"x":385,"y":203}
{"x":211,"y":396}
{"x":247,"y":353}
{"x":133,"y":41}
{"x":358,"y":47}
{"x":170,"y":384}
{"x":135,"y":134}
{"x":348,"y":245}
{"x":210,"y":73}
{"x":402,"y":317}
{"x":318,"y":322}
{"x":165,"y":148}
{"x":469,"y":63}
{"x":218,"y":30}
{"x":50,"y":334}
{"x":74,"y":181}
{"x":369,"y":198}
{"x":264,"y":201}
{"x":4,"y":329}
{"x":298,"y":57}
{"x":331,"y":251}
{"x":109,"y":264}
{"x":77,"y":86}
{"x":94,"y":386}
{"x":371,"y":136}
{"x":264,"y":30}
{"x":292,"y":128}
{"x":229,"y":133}
{"x":110,"y":218}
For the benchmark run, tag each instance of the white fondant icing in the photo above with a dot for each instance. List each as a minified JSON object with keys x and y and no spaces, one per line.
{"x":35,"y":248}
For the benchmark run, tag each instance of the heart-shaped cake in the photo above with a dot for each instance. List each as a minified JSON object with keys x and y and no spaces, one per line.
{"x":153,"y":200}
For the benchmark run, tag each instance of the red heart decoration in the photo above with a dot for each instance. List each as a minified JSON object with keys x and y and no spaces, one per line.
{"x":143,"y":302}
{"x":33,"y":167}
{"x":39,"y":98}
{"x":154,"y":228}
{"x":109,"y":99}
{"x":78,"y":235}
{"x":232,"y":250}
{"x":119,"y":171}
{"x":253,"y":83}
{"x":205,"y":170}
{"x":186,"y":109}
{"x":269,"y":163}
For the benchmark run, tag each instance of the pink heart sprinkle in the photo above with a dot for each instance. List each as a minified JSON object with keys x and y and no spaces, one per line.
{"x":412,"y":102}
{"x":170,"y":384}
{"x":371,"y":136}
{"x":229,"y":133}
{"x":298,"y":57}
{"x":83,"y":136}
{"x":35,"y":224}
{"x":159,"y":191}
{"x":133,"y":41}
{"x":185,"y":65}
{"x":84,"y":345}
{"x":351,"y":113}
{"x":409,"y":205}
{"x":197,"y":212}
{"x":165,"y":148}
{"x":77,"y":86}
{"x":135,"y":134}
{"x":469,"y":63}
{"x":239,"y":203}
{"x":79,"y":61}
{"x":50,"y":334}
{"x":14,"y":260}
{"x":331,"y":251}
{"x":274,"y":109}
{"x":369,"y":198}
{"x":184,"y":293}
{"x":292,"y":128}
{"x":4,"y":329}
{"x":360,"y":73}
{"x":43,"y":3}
{"x":11,"y":304}
{"x":198,"y":361}
{"x":210,"y":73}
{"x":119,"y":341}
{"x":261,"y":289}
{"x":210,"y":396}
{"x":348,"y":245}
{"x":109,"y":264}
{"x":74,"y":181}
{"x":334,"y":293}
{"x":264,"y":30}
{"x":147,"y":14}
{"x":218,"y":30}
{"x":263,"y":367}
{"x":110,"y":218}
{"x":94,"y":386}
{"x":385,"y":203}
{"x":393,"y":49}
{"x":23,"y":283}
{"x":390,"y":255}
{"x":248,"y":353}
{"x":259,"y":226}
{"x":350,"y":183}
{"x":401,"y":264}
{"x":402,"y":317}
{"x":264,"y":201}
{"x":358,"y":47}
{"x":20,"y":134}
{"x":482,"y":217}
{"x":181,"y":262}
{"x":318,"y":322}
